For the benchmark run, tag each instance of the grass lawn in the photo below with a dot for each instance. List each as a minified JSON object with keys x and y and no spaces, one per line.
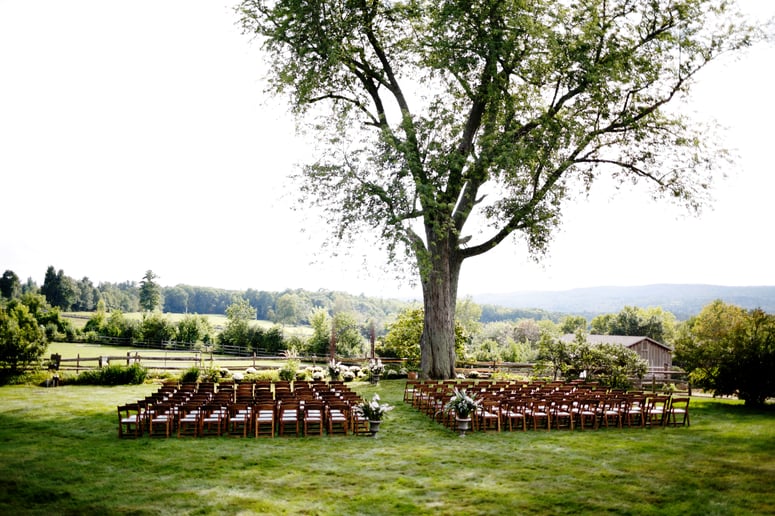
{"x":60,"y":454}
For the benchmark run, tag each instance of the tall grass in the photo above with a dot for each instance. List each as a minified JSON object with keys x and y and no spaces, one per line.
{"x":59,"y":454}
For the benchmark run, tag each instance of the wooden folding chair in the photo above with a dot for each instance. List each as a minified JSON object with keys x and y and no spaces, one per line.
{"x":513,"y":411}
{"x":239,"y":418}
{"x":264,"y":418}
{"x":160,"y":419}
{"x":313,"y":416}
{"x":130,"y":420}
{"x":288,"y":414}
{"x":338,"y":417}
{"x":679,"y":409}
{"x":211,"y":422}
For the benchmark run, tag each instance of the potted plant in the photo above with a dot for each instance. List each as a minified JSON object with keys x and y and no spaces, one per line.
{"x":376,"y":369}
{"x":373,"y":411}
{"x":462,"y":404}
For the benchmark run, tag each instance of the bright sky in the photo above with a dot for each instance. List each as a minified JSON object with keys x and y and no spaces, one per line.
{"x":137,"y":136}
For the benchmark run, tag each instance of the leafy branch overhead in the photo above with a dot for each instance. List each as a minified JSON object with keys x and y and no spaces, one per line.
{"x":435,"y":110}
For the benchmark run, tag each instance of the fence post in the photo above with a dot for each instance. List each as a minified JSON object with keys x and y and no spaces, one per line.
{"x":254,"y":359}
{"x":77,"y":363}
{"x":128,"y":357}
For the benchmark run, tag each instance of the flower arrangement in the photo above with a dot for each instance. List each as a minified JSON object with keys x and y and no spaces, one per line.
{"x":462,"y":403}
{"x":373,"y":410}
{"x":376,"y":367}
{"x":334,"y":369}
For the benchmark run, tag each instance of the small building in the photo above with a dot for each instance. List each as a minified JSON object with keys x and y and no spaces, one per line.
{"x":659,"y":356}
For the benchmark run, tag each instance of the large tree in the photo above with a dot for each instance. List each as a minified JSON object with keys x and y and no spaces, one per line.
{"x":10,"y":286}
{"x":150,"y":292}
{"x":448,"y":126}
{"x":730,"y":350}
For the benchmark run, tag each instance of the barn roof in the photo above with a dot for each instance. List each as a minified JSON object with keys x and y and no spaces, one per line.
{"x":627,"y":341}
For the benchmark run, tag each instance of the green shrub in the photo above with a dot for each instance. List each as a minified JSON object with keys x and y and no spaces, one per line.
{"x":288,"y":371}
{"x":190,"y":375}
{"x":267,"y":374}
{"x":113,"y":375}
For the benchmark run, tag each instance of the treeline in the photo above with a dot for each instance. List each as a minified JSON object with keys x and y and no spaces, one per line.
{"x":291,"y":307}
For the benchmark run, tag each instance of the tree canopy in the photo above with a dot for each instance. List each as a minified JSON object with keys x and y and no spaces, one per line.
{"x":150,"y":292}
{"x":449,"y":126}
{"x":730,"y":351}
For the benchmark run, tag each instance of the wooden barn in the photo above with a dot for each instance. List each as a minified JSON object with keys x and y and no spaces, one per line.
{"x":659,"y":356}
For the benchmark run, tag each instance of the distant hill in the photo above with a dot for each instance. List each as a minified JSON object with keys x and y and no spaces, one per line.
{"x":682,"y":300}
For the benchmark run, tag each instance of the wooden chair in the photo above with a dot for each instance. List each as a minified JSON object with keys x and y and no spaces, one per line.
{"x":288,"y":415}
{"x":539,"y":410}
{"x":244,"y":393}
{"x":487,"y":416}
{"x":679,"y":409}
{"x":612,"y":410}
{"x":264,"y":420}
{"x":188,"y":420}
{"x":358,"y":422}
{"x":513,"y":411}
{"x":562,"y":413}
{"x":586,"y":411}
{"x":409,"y":390}
{"x":239,"y":419}
{"x":211,"y":422}
{"x":636,"y":407}
{"x":313,"y":416}
{"x":658,"y":407}
{"x":130,"y":420}
{"x":337,"y":417}
{"x":160,"y":419}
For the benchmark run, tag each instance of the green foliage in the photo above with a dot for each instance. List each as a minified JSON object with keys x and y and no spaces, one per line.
{"x":609,"y":364}
{"x":403,"y":338}
{"x":23,"y":340}
{"x":522,"y":105}
{"x":289,"y":370}
{"x":653,"y":322}
{"x":190,"y":375}
{"x":349,"y":341}
{"x":319,"y":342}
{"x":58,"y":289}
{"x":195,"y":328}
{"x":572,"y":324}
{"x":156,"y":328}
{"x":730,"y":351}
{"x":150,"y":292}
{"x":10,"y":286}
{"x":508,"y":341}
{"x":112,"y":375}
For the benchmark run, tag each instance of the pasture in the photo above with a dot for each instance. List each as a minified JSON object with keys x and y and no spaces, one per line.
{"x":60,"y":454}
{"x":218,"y":322}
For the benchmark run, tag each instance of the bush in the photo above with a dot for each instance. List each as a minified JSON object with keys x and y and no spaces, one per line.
{"x":288,"y":371}
{"x":134,"y":374}
{"x":267,"y":374}
{"x":190,"y":375}
{"x":22,"y":340}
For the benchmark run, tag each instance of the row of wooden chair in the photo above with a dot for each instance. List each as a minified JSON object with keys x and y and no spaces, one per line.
{"x":305,"y":410}
{"x":542,"y":405}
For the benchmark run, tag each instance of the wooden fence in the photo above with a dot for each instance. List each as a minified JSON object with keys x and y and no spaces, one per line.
{"x":177,"y":361}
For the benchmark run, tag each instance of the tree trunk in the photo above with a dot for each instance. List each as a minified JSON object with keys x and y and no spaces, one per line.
{"x":439,"y":284}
